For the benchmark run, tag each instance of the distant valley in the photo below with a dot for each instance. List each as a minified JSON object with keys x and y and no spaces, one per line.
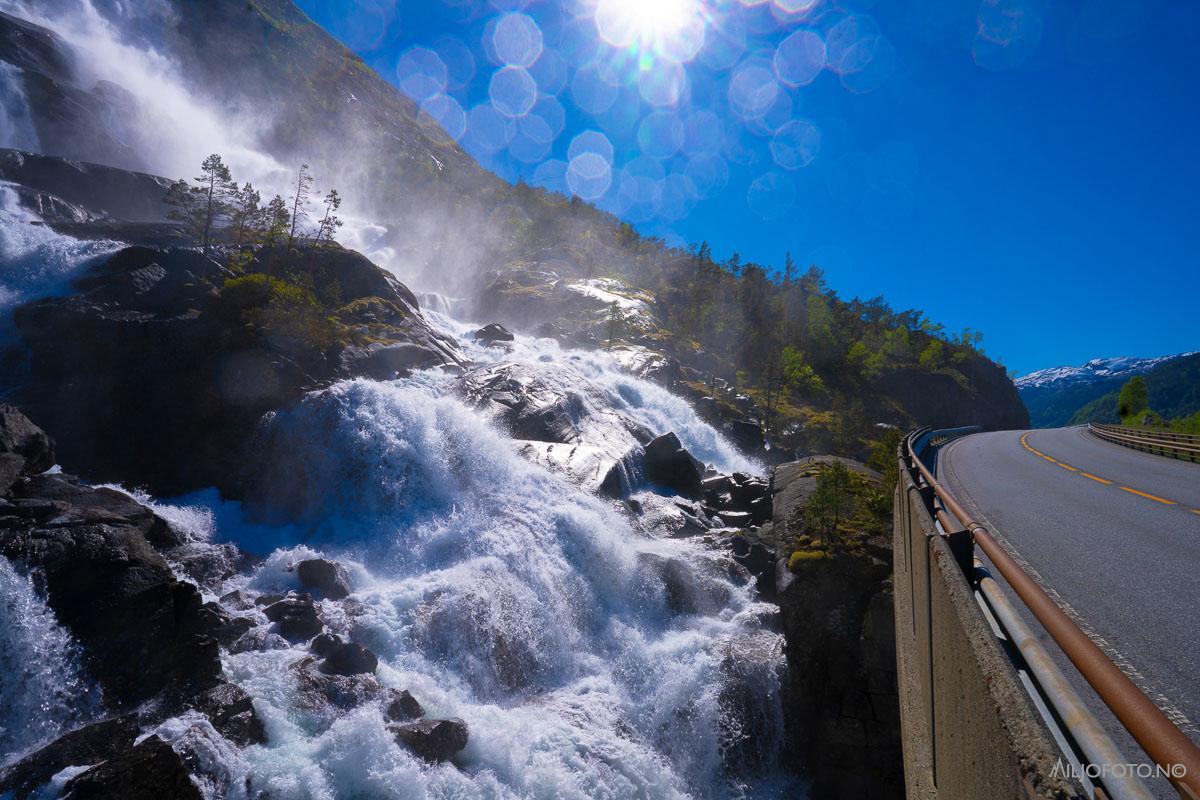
{"x":1076,"y":395}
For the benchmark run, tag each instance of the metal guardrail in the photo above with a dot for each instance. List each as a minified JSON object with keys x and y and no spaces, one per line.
{"x":1184,"y":446}
{"x":1177,"y":756}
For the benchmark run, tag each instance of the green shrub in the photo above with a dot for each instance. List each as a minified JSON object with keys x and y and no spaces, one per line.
{"x":278,"y":309}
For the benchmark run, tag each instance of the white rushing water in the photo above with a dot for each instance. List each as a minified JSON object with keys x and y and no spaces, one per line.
{"x":35,"y":260}
{"x":16,"y":121}
{"x":43,"y":691}
{"x":497,"y":593}
{"x":590,"y":660}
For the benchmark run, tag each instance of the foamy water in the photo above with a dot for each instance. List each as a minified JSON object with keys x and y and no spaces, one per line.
{"x":496,"y":592}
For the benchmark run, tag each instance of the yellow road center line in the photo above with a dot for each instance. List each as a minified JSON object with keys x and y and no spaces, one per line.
{"x":1148,"y":496}
{"x":1098,"y":479}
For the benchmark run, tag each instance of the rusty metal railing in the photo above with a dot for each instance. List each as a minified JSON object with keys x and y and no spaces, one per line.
{"x":1176,"y":754}
{"x":1184,"y":446}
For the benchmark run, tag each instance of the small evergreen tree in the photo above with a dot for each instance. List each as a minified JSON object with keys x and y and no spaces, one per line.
{"x":330,"y":222}
{"x":216,"y":184}
{"x":185,"y":205}
{"x":277,"y":221}
{"x":247,"y":217}
{"x":299,"y":199}
{"x":1134,"y":398}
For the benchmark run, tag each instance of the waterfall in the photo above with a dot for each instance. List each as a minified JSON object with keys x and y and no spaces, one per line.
{"x":588,"y":659}
{"x":43,"y":691}
{"x":16,"y":121}
{"x":35,"y":260}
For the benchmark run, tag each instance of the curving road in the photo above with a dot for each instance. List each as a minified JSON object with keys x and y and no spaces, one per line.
{"x":1112,"y":533}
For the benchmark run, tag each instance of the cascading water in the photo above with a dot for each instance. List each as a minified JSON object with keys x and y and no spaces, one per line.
{"x":43,"y":691}
{"x":589,"y":659}
{"x":35,"y":260}
{"x":16,"y":121}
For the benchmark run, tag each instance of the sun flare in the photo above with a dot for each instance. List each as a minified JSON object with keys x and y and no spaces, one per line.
{"x":624,"y":23}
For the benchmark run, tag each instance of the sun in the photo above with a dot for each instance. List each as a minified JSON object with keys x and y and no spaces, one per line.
{"x":646,"y":23}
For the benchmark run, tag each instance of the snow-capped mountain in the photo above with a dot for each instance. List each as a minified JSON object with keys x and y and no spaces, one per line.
{"x":1096,"y":369}
{"x":1053,"y":396}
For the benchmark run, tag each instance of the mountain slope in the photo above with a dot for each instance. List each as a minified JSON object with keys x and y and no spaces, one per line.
{"x":286,"y":92}
{"x":1173,"y":386}
{"x":1054,"y":396}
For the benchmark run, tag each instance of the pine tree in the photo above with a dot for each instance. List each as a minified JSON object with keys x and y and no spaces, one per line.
{"x":216,"y":184}
{"x":299,"y":199}
{"x":277,"y":220}
{"x":247,"y":217}
{"x":184,"y":203}
{"x":330,"y":222}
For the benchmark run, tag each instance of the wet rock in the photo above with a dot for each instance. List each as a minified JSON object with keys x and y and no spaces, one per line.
{"x":386,"y":362}
{"x":258,"y":639}
{"x":592,"y":469}
{"x":12,"y":467}
{"x":155,"y":340}
{"x":747,"y":434}
{"x":297,"y":617}
{"x":227,"y":628}
{"x":150,"y":770}
{"x":749,"y":663}
{"x":232,"y":713}
{"x":90,"y":744}
{"x":402,"y":706}
{"x":669,"y":465}
{"x":319,"y":690}
{"x":20,"y":437}
{"x":142,"y":631}
{"x":237,"y":599}
{"x":546,"y":403}
{"x":735,"y":519}
{"x":349,"y":658}
{"x":325,"y":643}
{"x":329,"y":577}
{"x":758,"y":559}
{"x":432,"y":739}
{"x":494,"y":333}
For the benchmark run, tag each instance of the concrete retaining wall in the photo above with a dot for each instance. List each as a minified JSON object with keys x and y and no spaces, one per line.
{"x":970,"y":729}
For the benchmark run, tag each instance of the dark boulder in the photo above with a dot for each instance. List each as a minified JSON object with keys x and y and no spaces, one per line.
{"x":349,"y":658}
{"x":324,"y":643}
{"x":12,"y":468}
{"x":543,"y":403}
{"x":402,"y":706}
{"x":671,"y":466}
{"x":143,"y":632}
{"x":150,"y":770}
{"x":747,"y":434}
{"x":232,"y":713}
{"x":328,"y":692}
{"x":20,"y":437}
{"x":495,"y":333}
{"x":90,"y":744}
{"x":735,"y":519}
{"x":432,"y":739}
{"x":297,"y":617}
{"x":328,"y":577}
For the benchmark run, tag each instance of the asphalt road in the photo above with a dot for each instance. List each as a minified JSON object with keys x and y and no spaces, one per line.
{"x":1112,"y":534}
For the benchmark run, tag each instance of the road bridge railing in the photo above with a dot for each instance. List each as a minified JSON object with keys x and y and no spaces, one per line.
{"x":1184,"y":446}
{"x":985,"y":710}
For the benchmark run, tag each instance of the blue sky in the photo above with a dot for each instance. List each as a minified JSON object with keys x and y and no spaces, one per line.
{"x":1027,"y":168}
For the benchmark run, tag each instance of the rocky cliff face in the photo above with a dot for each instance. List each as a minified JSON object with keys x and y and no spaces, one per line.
{"x":835,"y":601}
{"x":172,"y":341}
